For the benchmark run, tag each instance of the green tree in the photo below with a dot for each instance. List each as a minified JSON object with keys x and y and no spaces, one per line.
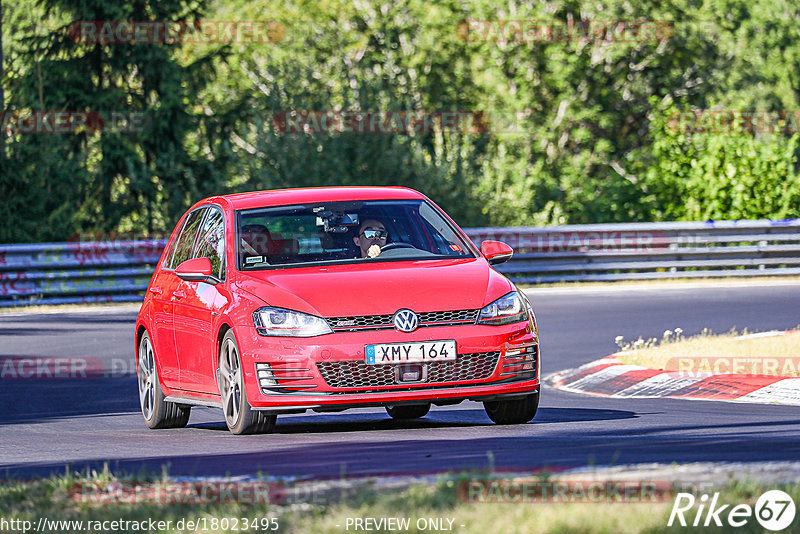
{"x":106,"y":179}
{"x":576,"y":128}
{"x":721,"y":176}
{"x":370,"y":56}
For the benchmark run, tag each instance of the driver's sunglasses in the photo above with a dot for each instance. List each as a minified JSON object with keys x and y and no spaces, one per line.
{"x":375,"y":234}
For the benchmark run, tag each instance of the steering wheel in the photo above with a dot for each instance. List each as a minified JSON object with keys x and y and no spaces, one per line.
{"x":396,"y":244}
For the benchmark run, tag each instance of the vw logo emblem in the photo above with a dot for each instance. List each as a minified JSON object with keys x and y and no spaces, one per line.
{"x":405,"y":320}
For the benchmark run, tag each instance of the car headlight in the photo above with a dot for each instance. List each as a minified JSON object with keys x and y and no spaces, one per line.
{"x":505,"y":310}
{"x":531,"y":315}
{"x":281,"y":322}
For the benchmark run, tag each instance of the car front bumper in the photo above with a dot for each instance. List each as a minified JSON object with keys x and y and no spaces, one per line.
{"x":510,"y":364}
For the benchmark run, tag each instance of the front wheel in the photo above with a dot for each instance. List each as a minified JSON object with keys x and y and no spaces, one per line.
{"x":239,"y":416}
{"x":414,"y":411}
{"x":157,"y":412}
{"x":514,"y":411}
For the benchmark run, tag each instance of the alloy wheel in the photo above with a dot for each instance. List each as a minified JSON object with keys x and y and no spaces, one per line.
{"x":230,"y":374}
{"x":147,"y":378}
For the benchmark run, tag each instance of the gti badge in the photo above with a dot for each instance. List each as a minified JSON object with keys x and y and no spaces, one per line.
{"x":405,"y":320}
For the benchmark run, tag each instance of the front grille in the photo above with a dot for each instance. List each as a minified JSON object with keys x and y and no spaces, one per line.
{"x":456,"y":316}
{"x":357,"y":374}
{"x":384,"y":322}
{"x":360,"y":322}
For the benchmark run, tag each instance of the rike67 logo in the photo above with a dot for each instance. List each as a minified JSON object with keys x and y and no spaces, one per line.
{"x":774,"y":510}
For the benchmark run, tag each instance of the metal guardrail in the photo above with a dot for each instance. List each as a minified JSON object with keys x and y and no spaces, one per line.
{"x":77,"y":272}
{"x":119,"y":271}
{"x":645,"y":251}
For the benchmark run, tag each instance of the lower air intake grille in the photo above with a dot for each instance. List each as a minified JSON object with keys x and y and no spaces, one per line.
{"x":357,"y":374}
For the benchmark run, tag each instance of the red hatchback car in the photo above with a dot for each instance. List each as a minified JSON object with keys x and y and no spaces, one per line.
{"x":277,"y":302}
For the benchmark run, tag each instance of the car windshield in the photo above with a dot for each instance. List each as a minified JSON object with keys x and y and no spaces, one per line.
{"x":362,"y":231}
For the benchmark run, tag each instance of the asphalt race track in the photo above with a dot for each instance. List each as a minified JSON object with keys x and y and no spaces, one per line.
{"x":46,"y":424}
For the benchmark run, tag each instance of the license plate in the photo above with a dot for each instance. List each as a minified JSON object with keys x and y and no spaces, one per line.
{"x":423,"y":352}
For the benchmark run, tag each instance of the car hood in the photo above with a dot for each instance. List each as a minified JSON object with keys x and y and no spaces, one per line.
{"x":378,"y":288}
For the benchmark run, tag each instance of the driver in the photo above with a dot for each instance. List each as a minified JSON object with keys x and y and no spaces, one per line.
{"x":371,"y":237}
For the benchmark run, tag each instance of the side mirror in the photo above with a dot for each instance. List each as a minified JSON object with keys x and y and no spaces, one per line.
{"x":196,"y":270}
{"x":496,"y":252}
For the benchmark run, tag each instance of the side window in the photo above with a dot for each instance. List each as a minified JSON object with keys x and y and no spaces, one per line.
{"x":185,"y":242}
{"x":212,"y":242}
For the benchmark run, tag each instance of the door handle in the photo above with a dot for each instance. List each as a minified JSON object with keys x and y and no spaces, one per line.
{"x":156,"y":290}
{"x":179,"y":294}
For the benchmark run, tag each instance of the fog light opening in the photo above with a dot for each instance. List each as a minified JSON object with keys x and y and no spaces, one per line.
{"x":266,"y":377}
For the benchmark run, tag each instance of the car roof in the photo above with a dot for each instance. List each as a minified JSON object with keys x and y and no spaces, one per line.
{"x":282,"y":197}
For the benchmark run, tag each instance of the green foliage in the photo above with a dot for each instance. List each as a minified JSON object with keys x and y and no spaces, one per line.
{"x":722,"y":176}
{"x":107,"y":180}
{"x":578,"y":130}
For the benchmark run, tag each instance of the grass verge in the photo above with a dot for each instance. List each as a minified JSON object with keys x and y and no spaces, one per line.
{"x":770,"y":353}
{"x":422,"y":505}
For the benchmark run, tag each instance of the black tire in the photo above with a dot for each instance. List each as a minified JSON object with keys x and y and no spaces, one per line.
{"x":513,"y":412}
{"x":157,"y":412}
{"x":413,"y":411}
{"x":239,"y":415}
